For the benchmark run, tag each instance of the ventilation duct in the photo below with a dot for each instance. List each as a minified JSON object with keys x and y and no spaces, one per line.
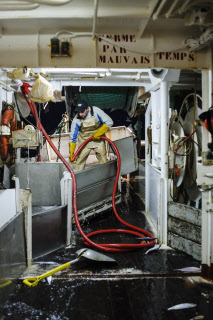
{"x":17,"y":5}
{"x":49,"y":2}
{"x":29,"y":4}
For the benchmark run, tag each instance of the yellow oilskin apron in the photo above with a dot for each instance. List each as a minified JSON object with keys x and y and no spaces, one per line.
{"x":88,"y":128}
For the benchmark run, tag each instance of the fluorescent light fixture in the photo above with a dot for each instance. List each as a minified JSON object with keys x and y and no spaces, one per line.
{"x":74,"y":70}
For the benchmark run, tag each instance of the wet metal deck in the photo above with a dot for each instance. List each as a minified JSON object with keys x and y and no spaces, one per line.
{"x":139,"y":286}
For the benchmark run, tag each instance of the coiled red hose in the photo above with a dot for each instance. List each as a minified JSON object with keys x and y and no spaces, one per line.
{"x":113,"y":247}
{"x":139,"y":232}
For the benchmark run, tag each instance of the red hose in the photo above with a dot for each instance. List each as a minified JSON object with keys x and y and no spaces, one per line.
{"x":4,"y":150}
{"x":113,"y":247}
{"x":120,"y":247}
{"x":184,"y":140}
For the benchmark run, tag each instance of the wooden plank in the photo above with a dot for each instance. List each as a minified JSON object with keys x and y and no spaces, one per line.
{"x":185,"y":213}
{"x":184,"y":245}
{"x":184,"y":229}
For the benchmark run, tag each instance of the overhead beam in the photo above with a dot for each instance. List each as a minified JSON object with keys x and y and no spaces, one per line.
{"x":95,"y":18}
{"x":145,"y":21}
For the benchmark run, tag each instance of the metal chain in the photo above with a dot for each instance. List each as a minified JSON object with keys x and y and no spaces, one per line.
{"x":59,"y":144}
{"x":62,"y":127}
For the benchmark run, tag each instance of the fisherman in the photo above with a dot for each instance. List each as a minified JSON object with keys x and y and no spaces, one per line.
{"x":89,"y":122}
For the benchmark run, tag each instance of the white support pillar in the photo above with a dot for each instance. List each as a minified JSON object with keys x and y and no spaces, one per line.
{"x":24,"y":204}
{"x":164,"y":129}
{"x":17,"y":187}
{"x":28,"y":224}
{"x":207,"y":196}
{"x":156,"y":128}
{"x":163,"y":183}
{"x":69,"y":211}
{"x":66,"y":199}
{"x":162,"y":210}
{"x":148,"y":148}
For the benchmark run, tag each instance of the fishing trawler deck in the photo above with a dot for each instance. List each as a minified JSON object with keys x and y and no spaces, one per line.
{"x":138,"y":285}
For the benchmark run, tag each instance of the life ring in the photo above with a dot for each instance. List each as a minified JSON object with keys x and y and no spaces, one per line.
{"x":9,"y":120}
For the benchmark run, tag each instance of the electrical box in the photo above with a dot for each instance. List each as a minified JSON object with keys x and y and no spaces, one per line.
{"x":60,"y":48}
{"x":55,"y":47}
{"x":65,"y":48}
{"x":25,"y":138}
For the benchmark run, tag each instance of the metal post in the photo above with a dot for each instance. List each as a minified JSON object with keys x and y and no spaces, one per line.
{"x":164,"y":129}
{"x":94,"y":18}
{"x":24,"y":204}
{"x":163,"y":183}
{"x":147,"y":155}
{"x":162,"y":212}
{"x":28,"y":225}
{"x":69,"y":211}
{"x":207,"y":203}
